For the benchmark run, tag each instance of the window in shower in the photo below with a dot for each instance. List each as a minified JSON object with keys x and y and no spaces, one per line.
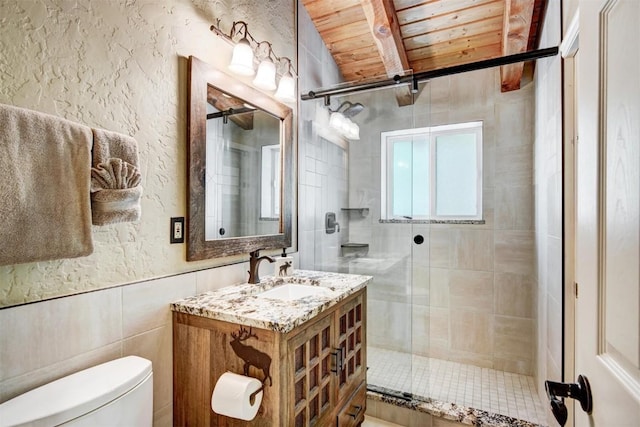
{"x":432,"y":173}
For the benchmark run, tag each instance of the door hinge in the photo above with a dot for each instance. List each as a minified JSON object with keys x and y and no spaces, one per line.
{"x":575,"y":287}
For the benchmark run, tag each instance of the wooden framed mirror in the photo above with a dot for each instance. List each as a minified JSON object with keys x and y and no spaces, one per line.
{"x":240,"y":160}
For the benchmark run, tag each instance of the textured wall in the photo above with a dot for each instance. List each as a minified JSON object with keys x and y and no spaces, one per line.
{"x":121,"y":65}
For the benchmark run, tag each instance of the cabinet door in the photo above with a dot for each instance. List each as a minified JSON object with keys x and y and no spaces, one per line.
{"x":350,"y":341}
{"x":310,"y":362}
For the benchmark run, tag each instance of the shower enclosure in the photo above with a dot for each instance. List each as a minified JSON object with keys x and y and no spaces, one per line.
{"x":451,"y":304}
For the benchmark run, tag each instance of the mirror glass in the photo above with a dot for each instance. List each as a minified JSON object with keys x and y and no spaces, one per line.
{"x":240,"y":167}
{"x":243,"y":166}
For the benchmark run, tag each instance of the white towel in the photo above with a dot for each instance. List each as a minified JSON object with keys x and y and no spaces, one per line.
{"x":45,"y":207}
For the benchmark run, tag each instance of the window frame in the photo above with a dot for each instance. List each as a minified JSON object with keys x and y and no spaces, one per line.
{"x":431,"y":133}
{"x":270,"y":182}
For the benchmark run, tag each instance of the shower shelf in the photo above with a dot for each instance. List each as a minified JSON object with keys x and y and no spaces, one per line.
{"x":356,"y":212}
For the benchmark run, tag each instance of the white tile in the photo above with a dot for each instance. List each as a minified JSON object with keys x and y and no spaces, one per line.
{"x":34,"y":336}
{"x":216,"y":278}
{"x":514,"y":207}
{"x":17,"y":385}
{"x":156,"y":346}
{"x":145,"y":306}
{"x":514,"y":252}
{"x":472,"y":249}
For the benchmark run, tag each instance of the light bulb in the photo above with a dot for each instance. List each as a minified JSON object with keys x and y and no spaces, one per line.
{"x":266,"y":75}
{"x":242,"y":59}
{"x":336,"y":120}
{"x":353,"y":131}
{"x":344,"y":126}
{"x":286,"y":89}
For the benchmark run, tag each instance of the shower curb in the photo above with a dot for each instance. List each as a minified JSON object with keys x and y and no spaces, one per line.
{"x":449,"y":411}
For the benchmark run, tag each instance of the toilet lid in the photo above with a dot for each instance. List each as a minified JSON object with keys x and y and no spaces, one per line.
{"x":75,"y":395}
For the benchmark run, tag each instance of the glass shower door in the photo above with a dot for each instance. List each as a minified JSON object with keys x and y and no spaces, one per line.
{"x":389,"y":232}
{"x":376,"y":233}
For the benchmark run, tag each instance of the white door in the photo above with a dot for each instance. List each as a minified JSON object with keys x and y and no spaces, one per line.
{"x":607,"y":214}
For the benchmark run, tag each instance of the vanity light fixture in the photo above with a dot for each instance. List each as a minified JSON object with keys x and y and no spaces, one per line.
{"x":247,"y":51}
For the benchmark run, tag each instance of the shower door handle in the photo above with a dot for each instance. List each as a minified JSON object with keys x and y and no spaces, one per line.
{"x":581,"y":391}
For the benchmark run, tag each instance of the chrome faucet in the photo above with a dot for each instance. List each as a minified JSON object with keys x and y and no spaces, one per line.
{"x":254,"y":264}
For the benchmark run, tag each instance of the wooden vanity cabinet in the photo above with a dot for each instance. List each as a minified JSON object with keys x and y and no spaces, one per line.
{"x":316,"y":375}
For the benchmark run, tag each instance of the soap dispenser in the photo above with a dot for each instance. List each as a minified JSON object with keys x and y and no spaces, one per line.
{"x":283,"y":264}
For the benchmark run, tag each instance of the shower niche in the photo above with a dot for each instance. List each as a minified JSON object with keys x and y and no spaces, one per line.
{"x":356,"y":213}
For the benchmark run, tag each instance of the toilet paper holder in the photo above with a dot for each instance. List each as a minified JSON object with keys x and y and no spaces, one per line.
{"x":252,"y":396}
{"x":237,"y":396}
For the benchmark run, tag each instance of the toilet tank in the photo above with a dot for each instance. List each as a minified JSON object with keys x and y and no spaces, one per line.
{"x":116,"y":393}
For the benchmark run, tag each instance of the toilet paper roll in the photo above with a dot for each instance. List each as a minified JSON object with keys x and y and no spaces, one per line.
{"x":232,"y":394}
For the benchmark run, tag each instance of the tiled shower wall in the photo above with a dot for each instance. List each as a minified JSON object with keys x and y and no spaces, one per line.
{"x":549,"y":196}
{"x":323,"y":156}
{"x":470,"y":294}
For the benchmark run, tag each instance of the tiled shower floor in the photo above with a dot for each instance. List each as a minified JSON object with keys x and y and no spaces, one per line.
{"x":493,"y":391}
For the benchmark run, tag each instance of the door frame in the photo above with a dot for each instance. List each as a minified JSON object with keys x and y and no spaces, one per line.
{"x":568,"y":50}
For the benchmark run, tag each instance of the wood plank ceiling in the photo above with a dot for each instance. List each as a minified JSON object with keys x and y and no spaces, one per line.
{"x":371,"y":39}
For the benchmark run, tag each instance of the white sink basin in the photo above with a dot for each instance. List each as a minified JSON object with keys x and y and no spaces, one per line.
{"x":292,"y":292}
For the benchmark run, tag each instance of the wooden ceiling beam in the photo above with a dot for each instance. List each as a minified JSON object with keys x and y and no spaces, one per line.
{"x":384,"y":27}
{"x":515,"y":37}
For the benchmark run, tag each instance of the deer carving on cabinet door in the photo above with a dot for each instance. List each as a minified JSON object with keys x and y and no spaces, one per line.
{"x":250,"y":355}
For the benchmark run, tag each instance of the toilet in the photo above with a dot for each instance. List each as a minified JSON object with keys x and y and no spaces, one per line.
{"x":116,"y":393}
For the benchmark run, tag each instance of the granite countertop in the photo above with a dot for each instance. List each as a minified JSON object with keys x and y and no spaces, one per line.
{"x":449,"y":411}
{"x":240,"y":303}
